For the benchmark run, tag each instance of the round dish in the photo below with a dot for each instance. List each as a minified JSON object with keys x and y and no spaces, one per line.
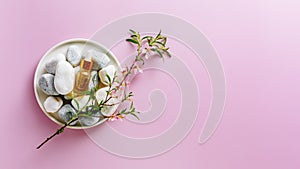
{"x":84,"y":45}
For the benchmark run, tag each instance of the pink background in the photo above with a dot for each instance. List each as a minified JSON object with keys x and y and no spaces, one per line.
{"x":257,"y":42}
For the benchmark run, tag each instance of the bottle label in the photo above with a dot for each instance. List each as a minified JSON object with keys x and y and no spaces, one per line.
{"x":87,"y":65}
{"x":82,"y":82}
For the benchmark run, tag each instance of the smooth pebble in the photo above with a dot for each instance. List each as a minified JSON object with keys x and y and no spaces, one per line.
{"x":109,"y":70}
{"x":50,"y":66}
{"x":46,"y":84}
{"x":52,"y":104}
{"x":66,"y":113}
{"x":73,"y":55}
{"x":64,"y":78}
{"x":91,"y":119}
{"x":100,"y":59}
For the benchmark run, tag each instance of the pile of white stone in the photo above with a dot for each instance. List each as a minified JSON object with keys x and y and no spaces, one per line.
{"x":59,"y":80}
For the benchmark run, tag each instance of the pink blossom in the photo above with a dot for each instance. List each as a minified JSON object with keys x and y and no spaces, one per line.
{"x":116,"y":117}
{"x":113,"y":92}
{"x":137,"y":69}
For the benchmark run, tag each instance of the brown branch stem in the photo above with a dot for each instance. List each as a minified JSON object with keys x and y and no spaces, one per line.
{"x":60,"y":130}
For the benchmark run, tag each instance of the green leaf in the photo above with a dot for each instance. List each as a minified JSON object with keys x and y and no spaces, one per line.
{"x":158,"y":35}
{"x":60,"y":131}
{"x":134,"y":36}
{"x":92,"y":91}
{"x":135,"y":116}
{"x":86,"y":92}
{"x":132,"y":41}
{"x":115,"y":75}
{"x":107,"y":93}
{"x":123,"y":111}
{"x":164,"y":40}
{"x":131,"y":105}
{"x":132,"y":31}
{"x":149,"y":41}
{"x":146,"y":37}
{"x":130,"y":94}
{"x":94,"y":79}
{"x":77,"y":104}
{"x":108,"y":78}
{"x":93,"y":97}
{"x":158,"y":42}
{"x":167,"y":53}
{"x":158,"y":52}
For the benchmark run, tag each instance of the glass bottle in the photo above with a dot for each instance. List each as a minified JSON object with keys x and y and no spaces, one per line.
{"x":83,"y":77}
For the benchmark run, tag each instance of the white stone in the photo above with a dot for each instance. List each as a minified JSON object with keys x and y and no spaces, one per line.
{"x":66,"y":113}
{"x":82,"y":101}
{"x":64,"y":78}
{"x":109,"y":70}
{"x":46,"y":84}
{"x":52,"y":104}
{"x":100,"y":60}
{"x":94,"y":80}
{"x":90,"y":119}
{"x":50,"y":66}
{"x":73,"y":55}
{"x":106,"y":110}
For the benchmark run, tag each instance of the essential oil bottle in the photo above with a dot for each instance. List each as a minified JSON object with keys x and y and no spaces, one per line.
{"x":83,"y":77}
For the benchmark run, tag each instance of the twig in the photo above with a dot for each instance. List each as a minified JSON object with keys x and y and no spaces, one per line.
{"x":60,"y":130}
